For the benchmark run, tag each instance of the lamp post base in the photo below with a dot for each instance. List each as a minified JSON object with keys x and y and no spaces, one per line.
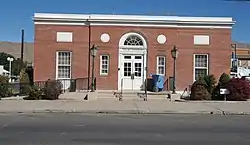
{"x":174,"y":92}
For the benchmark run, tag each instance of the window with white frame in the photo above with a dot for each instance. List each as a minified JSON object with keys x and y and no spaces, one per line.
{"x":64,"y":65}
{"x":104,"y":64}
{"x":161,"y":64}
{"x":200,"y":65}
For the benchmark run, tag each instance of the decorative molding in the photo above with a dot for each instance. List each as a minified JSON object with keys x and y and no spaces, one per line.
{"x":133,"y":20}
{"x":64,"y":37}
{"x":105,"y":37}
{"x":135,"y":25}
{"x":201,"y":39}
{"x":161,"y":39}
{"x":124,"y":37}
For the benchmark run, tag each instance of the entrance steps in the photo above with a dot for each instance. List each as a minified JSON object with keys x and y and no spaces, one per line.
{"x":133,"y":95}
{"x":116,"y":95}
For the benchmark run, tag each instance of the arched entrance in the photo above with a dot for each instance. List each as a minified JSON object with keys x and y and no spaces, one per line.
{"x":132,"y":61}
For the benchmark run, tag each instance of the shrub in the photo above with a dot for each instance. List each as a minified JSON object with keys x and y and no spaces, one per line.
{"x":223,"y":81}
{"x":239,"y":89}
{"x":199,"y":91}
{"x":4,"y":85}
{"x":52,"y":90}
{"x":209,"y":82}
{"x":24,"y":82}
{"x":4,"y":79}
{"x":35,"y":93}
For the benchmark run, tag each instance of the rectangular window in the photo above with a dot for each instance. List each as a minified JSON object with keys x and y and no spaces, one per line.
{"x":104,"y":64}
{"x":63,"y":65}
{"x":161,"y":64}
{"x":201,"y":40}
{"x":200,"y":66}
{"x":64,"y":37}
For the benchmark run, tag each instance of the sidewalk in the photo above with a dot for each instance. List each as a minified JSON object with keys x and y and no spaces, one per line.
{"x":113,"y":106}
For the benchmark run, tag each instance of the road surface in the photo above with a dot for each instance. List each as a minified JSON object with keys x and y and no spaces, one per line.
{"x":79,"y":129}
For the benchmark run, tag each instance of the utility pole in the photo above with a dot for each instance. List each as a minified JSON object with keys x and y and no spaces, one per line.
{"x":22,"y":47}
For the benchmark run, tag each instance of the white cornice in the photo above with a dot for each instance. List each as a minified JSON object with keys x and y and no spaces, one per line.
{"x":127,"y":20}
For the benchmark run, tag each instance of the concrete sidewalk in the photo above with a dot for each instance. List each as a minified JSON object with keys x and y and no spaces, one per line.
{"x":113,"y":106}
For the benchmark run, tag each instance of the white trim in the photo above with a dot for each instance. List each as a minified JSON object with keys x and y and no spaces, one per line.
{"x":60,"y":23}
{"x":201,"y":39}
{"x":125,"y":50}
{"x":104,"y":74}
{"x":58,"y":65}
{"x":64,"y":36}
{"x":124,"y":37}
{"x":161,"y":25}
{"x":130,"y":18}
{"x":133,"y":25}
{"x":200,"y":67}
{"x":133,"y":20}
{"x":157,"y":65}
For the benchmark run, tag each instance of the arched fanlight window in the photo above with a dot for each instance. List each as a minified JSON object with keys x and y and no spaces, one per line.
{"x":133,"y":41}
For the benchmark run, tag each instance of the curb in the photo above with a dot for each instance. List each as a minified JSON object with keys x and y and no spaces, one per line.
{"x":126,"y":112}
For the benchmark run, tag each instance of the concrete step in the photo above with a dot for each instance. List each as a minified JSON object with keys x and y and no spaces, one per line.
{"x":133,"y":95}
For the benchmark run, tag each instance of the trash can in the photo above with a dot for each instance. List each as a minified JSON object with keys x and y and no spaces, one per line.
{"x":158,"y":82}
{"x":171,"y":83}
{"x":72,"y":86}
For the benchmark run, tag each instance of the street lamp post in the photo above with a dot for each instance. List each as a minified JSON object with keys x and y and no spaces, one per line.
{"x":93,"y":54}
{"x":174,"y":53}
{"x":234,"y":46}
{"x":10,"y":59}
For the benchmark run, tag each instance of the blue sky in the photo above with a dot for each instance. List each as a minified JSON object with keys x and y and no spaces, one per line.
{"x":17,"y":14}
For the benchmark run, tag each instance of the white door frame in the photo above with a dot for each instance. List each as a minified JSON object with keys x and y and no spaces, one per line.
{"x":131,"y":50}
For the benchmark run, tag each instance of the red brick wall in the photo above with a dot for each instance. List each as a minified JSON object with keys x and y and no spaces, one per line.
{"x":46,"y":46}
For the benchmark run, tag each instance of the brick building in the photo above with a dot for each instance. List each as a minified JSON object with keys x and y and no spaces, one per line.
{"x":243,"y":54}
{"x":126,"y":44}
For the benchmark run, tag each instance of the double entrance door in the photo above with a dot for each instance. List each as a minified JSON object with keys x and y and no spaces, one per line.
{"x":132,"y":72}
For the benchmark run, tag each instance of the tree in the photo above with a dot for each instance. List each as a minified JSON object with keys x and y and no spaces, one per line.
{"x":4,"y":61}
{"x":15,"y":69}
{"x":16,"y":66}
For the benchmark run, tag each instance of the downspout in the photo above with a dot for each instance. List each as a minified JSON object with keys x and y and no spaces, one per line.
{"x":89,"y":29}
{"x":146,"y":77}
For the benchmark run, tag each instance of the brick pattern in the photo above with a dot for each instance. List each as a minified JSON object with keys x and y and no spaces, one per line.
{"x":46,"y":46}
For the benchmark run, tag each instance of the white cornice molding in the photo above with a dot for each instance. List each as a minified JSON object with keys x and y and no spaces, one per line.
{"x":127,"y":20}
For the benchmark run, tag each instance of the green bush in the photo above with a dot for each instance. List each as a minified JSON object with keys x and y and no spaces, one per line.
{"x":223,"y":82}
{"x":199,"y":91}
{"x":52,"y":90}
{"x":210,"y":82}
{"x":35,"y":93}
{"x":4,"y":85}
{"x":224,"y":79}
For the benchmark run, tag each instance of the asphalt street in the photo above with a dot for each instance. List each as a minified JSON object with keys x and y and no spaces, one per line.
{"x":79,"y":129}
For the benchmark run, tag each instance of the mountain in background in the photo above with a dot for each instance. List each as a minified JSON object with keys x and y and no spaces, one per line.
{"x":14,"y":49}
